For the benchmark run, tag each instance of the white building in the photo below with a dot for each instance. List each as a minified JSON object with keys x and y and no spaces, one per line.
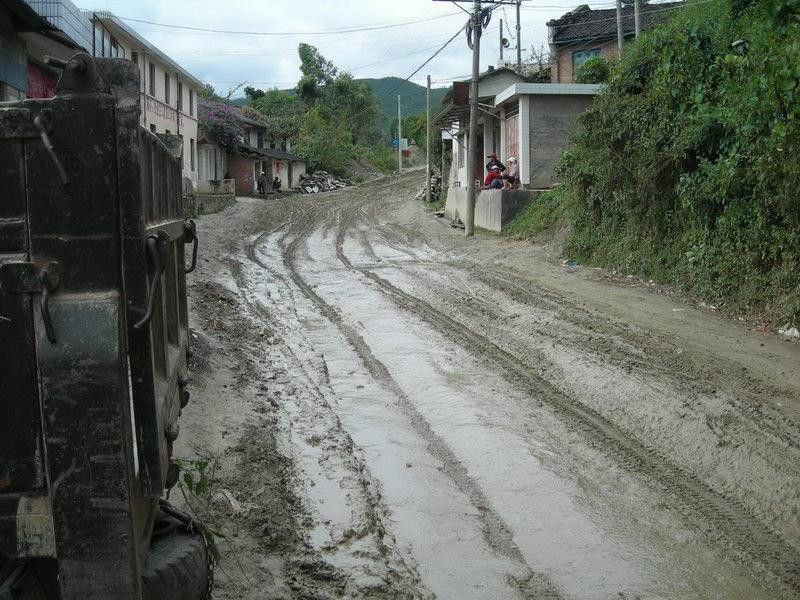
{"x":169,"y":92}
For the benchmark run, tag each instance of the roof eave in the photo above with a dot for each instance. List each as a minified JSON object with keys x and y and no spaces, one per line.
{"x":116,"y":22}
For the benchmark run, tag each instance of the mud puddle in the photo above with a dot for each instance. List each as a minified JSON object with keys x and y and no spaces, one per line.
{"x":462,"y":431}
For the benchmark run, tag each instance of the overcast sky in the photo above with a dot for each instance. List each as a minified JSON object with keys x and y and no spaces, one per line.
{"x":264,"y":61}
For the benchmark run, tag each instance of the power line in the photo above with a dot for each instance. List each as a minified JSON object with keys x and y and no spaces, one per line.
{"x":288,"y":33}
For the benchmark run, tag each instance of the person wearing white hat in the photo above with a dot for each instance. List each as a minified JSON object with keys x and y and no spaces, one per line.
{"x":512,"y":174}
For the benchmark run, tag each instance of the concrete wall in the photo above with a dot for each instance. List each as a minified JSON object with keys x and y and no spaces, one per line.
{"x":494,"y":209}
{"x":561,"y":67}
{"x":493,"y":84}
{"x":217,"y":186}
{"x":551,"y":118}
{"x":196,"y":204}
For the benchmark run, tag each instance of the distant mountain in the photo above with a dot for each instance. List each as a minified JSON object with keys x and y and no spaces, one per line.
{"x":412,"y":97}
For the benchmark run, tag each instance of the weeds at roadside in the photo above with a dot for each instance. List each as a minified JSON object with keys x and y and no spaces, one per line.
{"x":196,"y":483}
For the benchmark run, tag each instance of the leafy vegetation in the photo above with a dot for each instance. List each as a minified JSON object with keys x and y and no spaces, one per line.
{"x":330,"y":117}
{"x":222,"y":124}
{"x":595,"y":70}
{"x":685,"y":169}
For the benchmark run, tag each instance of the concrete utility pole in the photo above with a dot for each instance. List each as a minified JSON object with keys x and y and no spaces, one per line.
{"x":428,"y":142}
{"x":501,"y":41}
{"x":637,"y":18}
{"x":519,"y":38}
{"x":399,"y":137}
{"x":620,"y":37}
{"x":472,"y":154}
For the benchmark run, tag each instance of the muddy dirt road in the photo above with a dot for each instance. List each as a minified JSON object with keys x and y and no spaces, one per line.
{"x":398,"y":412}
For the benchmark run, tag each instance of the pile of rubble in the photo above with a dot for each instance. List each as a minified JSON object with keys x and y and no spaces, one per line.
{"x":436,"y":188}
{"x":321,"y":181}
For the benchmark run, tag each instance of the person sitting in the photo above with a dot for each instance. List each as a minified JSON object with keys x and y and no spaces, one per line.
{"x":493,"y":162}
{"x":494,"y":180}
{"x":276,"y":184}
{"x":511,"y":176}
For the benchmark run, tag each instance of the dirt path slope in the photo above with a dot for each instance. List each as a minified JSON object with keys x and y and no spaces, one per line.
{"x":398,"y":412}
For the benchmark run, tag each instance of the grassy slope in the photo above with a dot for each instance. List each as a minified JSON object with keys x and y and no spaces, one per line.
{"x":685,"y":169}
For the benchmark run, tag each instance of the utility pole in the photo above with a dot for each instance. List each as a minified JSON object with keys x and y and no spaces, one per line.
{"x":428,"y":142}
{"x":620,"y":37}
{"x":399,"y":137}
{"x":637,"y":18}
{"x":501,"y":42}
{"x":519,"y":38}
{"x":472,"y":154}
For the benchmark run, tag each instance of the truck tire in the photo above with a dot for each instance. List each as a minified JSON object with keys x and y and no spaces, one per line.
{"x":176,"y":568}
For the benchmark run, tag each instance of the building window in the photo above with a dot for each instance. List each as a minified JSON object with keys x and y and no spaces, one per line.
{"x":167,"y":131}
{"x":283,"y":144}
{"x":180,"y":96}
{"x":152,"y":79}
{"x":135,"y":58}
{"x":578,"y":58}
{"x":9,"y":93}
{"x":191,"y":102}
{"x":166,"y":87}
{"x":98,"y":40}
{"x":260,"y":139}
{"x":191,"y":154}
{"x":153,"y":127}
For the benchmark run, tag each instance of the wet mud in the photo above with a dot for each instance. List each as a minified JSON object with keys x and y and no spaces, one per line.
{"x":397,"y":412}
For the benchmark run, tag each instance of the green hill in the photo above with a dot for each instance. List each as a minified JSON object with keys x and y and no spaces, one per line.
{"x":412,"y":97}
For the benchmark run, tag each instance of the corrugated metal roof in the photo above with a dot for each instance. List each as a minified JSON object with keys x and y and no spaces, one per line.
{"x":584,"y":24}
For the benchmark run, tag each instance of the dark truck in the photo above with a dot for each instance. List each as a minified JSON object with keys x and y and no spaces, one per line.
{"x":93,"y":346}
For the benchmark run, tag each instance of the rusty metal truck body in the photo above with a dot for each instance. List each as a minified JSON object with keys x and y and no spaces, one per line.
{"x":93,"y":334}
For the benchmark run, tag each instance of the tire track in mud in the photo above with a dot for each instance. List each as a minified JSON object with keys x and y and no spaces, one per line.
{"x":723,"y":520}
{"x":374,"y":511}
{"x":495,"y":531}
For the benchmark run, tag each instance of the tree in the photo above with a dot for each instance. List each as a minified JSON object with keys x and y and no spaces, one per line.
{"x":253,"y":93}
{"x":355,"y":103}
{"x":537,"y":66}
{"x":594,"y":70}
{"x":316,"y":72}
{"x":207,"y":91}
{"x":324,"y":144}
{"x":281,"y":112}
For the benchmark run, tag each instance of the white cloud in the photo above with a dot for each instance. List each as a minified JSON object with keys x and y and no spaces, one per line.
{"x":266,"y":61}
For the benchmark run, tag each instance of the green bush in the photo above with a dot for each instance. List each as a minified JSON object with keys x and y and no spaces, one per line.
{"x":685,"y":168}
{"x":594,"y":70}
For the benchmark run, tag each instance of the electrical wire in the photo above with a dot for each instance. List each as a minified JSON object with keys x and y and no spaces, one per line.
{"x":338,"y":31}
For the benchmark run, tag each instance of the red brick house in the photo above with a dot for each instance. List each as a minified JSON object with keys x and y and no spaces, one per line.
{"x":585,"y":33}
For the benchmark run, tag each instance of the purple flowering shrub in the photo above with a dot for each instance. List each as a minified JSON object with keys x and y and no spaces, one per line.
{"x":222,"y":123}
